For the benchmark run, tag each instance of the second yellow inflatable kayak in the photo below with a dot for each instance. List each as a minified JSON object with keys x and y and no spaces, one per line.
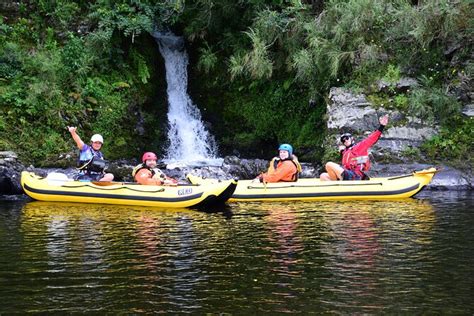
{"x":402,"y":186}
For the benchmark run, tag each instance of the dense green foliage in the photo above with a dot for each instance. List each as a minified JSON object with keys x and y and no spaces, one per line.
{"x":70,"y":63}
{"x":349,"y":43}
{"x":255,"y":65}
{"x":453,"y":144}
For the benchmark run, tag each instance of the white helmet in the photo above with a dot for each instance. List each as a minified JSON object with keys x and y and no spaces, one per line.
{"x":97,"y":138}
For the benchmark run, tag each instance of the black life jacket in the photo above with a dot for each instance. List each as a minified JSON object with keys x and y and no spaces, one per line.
{"x":97,"y":164}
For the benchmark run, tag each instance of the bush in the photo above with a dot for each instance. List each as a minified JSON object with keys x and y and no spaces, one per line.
{"x":453,"y":143}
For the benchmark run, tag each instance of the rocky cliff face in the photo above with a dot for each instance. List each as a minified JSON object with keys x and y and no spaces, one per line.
{"x":351,"y":112}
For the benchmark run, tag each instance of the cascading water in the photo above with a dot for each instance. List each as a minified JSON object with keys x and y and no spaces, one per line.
{"x":189,"y":141}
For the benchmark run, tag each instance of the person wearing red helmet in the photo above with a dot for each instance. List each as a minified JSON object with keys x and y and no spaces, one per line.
{"x":91,"y":163}
{"x":148,"y":174}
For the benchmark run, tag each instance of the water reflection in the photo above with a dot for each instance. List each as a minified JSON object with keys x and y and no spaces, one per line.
{"x":148,"y":236}
{"x":57,"y":242}
{"x":110,"y":242}
{"x":367,"y":238}
{"x":281,"y":224}
{"x":266,"y":258}
{"x":342,"y":247}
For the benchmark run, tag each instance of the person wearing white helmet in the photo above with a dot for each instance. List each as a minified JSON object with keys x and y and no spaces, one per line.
{"x":91,"y":160}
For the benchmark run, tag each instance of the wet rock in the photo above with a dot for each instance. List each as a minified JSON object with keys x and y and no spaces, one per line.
{"x":409,"y":133}
{"x":350,"y":112}
{"x":10,"y":9}
{"x":405,"y":84}
{"x":401,"y":86}
{"x":122,"y":169}
{"x":461,"y":87}
{"x":64,"y":160}
{"x":309,"y":171}
{"x":10,"y":170}
{"x":447,"y":178}
{"x":232,"y":168}
{"x":398,"y":139}
{"x":468,"y":110}
{"x":451,"y":49}
{"x":245,"y":168}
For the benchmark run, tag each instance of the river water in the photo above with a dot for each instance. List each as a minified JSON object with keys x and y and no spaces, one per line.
{"x":413,"y":256}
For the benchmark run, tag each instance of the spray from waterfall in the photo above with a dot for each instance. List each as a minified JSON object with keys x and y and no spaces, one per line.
{"x":189,"y":141}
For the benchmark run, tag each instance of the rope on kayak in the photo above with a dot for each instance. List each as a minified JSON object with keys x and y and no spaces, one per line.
{"x":313,"y":186}
{"x":110,"y":189}
{"x":108,"y":183}
{"x":415,"y":172}
{"x":399,"y":177}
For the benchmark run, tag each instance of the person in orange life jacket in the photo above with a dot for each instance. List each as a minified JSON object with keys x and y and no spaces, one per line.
{"x":284,"y":168}
{"x":355,"y":159}
{"x":146,"y":173}
{"x":91,"y":159}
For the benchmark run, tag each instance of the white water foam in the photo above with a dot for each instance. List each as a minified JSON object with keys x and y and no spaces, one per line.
{"x":189,"y":141}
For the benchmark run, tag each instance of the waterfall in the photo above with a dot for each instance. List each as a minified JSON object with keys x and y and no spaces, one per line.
{"x":189,"y":141}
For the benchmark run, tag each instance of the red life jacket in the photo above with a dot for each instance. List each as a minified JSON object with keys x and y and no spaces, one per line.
{"x":356,"y":157}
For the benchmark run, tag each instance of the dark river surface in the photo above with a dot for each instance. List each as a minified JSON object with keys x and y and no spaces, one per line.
{"x":413,"y":256}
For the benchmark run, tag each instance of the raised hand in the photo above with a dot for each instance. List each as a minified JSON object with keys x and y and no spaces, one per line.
{"x":384,"y":120}
{"x":71,"y":129}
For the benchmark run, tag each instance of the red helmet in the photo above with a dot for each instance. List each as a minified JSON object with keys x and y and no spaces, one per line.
{"x":149,"y":155}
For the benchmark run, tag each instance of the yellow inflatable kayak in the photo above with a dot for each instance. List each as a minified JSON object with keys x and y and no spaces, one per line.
{"x":65,"y":190}
{"x":402,"y":186}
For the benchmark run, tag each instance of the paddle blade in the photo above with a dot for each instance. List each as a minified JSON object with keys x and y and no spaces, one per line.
{"x":106,"y":183}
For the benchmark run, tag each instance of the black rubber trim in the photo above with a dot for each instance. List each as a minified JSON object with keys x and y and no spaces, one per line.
{"x":317,"y":194}
{"x":113,"y":196}
{"x":340,"y":184}
{"x":107,"y":188}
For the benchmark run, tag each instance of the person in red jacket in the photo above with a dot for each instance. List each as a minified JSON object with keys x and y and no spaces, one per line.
{"x":284,"y":168}
{"x":355,"y":157}
{"x":146,"y":173}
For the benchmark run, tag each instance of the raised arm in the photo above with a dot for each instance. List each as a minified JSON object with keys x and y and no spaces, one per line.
{"x":373,"y":137}
{"x":76,"y":137}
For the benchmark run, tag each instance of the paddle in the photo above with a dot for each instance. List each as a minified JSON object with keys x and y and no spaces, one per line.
{"x":60,"y":179}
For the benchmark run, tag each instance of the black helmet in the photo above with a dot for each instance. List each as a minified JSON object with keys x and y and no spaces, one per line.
{"x":345,"y":136}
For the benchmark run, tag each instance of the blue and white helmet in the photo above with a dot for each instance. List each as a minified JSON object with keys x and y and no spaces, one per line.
{"x":286,"y":147}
